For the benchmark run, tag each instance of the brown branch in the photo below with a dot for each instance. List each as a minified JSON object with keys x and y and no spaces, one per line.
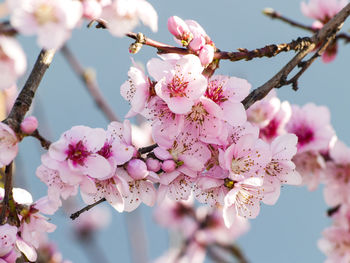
{"x":25,"y":98}
{"x":275,"y":15}
{"x":147,"y":148}
{"x":267,"y":51}
{"x":305,"y":65}
{"x":331,"y":211}
{"x":44,"y":142}
{"x":86,"y":208}
{"x":90,"y":83}
{"x":6,"y":29}
{"x":8,"y":196}
{"x":235,"y":251}
{"x":279,"y":80}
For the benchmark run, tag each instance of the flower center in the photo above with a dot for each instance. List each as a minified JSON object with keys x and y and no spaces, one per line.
{"x":229,"y":183}
{"x":177,"y":87}
{"x":215,"y":92}
{"x":241,"y":165}
{"x":106,"y":150}
{"x":44,"y":14}
{"x":77,"y":153}
{"x":198,"y":113}
{"x":304,"y":134}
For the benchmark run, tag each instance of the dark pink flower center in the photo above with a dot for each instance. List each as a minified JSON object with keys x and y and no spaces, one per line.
{"x":177,"y":87}
{"x":77,"y":153}
{"x":270,"y":130}
{"x":215,"y":92}
{"x":304,"y":134}
{"x":106,"y":150}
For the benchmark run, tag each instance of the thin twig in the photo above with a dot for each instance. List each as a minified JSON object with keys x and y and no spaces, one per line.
{"x":279,"y":80}
{"x":8,"y":196}
{"x":86,"y":208}
{"x":235,"y":251}
{"x":44,"y":142}
{"x":25,"y":98}
{"x":90,"y":83}
{"x":275,"y":15}
{"x":267,"y":51}
{"x":147,"y":148}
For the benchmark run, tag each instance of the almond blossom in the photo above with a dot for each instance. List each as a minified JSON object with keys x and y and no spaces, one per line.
{"x":78,"y":149}
{"x":8,"y":145}
{"x":12,"y":62}
{"x":123,"y":15}
{"x":311,"y":124}
{"x":41,"y":17}
{"x":178,"y":85}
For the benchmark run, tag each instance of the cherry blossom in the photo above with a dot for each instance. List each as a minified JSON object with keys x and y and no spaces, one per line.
{"x":123,"y":15}
{"x":41,"y":17}
{"x":12,"y":62}
{"x":311,"y":124}
{"x":8,"y":145}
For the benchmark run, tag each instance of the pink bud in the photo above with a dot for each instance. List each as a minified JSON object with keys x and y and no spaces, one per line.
{"x":137,"y":169}
{"x":177,"y":27}
{"x":29,"y":125}
{"x":206,"y":55}
{"x":168,"y":166}
{"x":197,"y":43}
{"x":153,"y":165}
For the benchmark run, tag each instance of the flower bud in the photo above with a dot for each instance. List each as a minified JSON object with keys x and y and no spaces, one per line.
{"x":206,"y":55}
{"x":179,"y":29}
{"x":153,"y":165}
{"x":168,"y":166}
{"x":137,"y":169}
{"x":29,"y":125}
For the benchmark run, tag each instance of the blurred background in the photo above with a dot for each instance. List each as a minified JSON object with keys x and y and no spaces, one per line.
{"x":287,"y":232}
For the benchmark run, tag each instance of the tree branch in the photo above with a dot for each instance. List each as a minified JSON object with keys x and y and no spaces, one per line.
{"x":275,"y":15}
{"x":44,"y":143}
{"x":25,"y":98}
{"x":8,"y":196}
{"x":90,"y":83}
{"x":86,"y":208}
{"x":147,"y":148}
{"x":279,"y":80}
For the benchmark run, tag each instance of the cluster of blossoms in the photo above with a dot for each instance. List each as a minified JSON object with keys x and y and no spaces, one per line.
{"x":207,"y":145}
{"x":28,"y":237}
{"x":201,"y":229}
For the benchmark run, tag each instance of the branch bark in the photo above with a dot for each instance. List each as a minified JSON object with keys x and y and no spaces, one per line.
{"x":279,"y":80}
{"x":25,"y":98}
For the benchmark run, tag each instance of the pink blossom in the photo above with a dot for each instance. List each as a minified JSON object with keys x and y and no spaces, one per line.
{"x":281,"y":168}
{"x":311,"y":166}
{"x":29,"y":125}
{"x":247,"y":158}
{"x":263,"y":111}
{"x":277,"y":124}
{"x":92,"y":9}
{"x":136,"y":90}
{"x":166,"y":125}
{"x":204,"y":121}
{"x":56,"y":187}
{"x":322,"y":10}
{"x":206,"y":54}
{"x":135,"y":191}
{"x":104,"y":189}
{"x":123,"y":15}
{"x":311,"y":124}
{"x":337,"y":175}
{"x":179,"y":29}
{"x":153,"y":164}
{"x":8,"y":145}
{"x":228,"y":92}
{"x":179,"y":85}
{"x":8,"y":236}
{"x":12,"y":62}
{"x":42,"y":17}
{"x":78,"y":149}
